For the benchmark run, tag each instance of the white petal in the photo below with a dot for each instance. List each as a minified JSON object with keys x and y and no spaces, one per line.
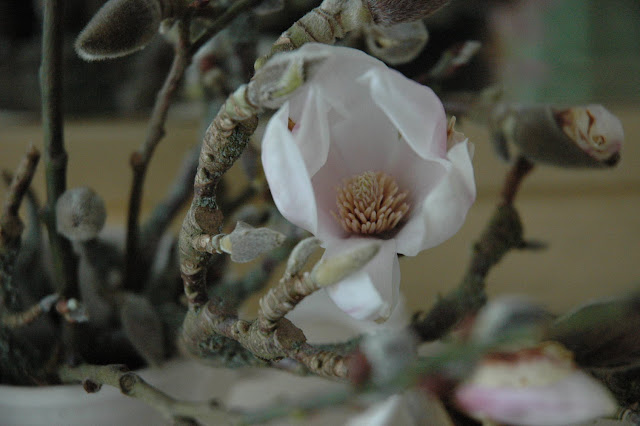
{"x":287,"y":174}
{"x":392,"y":411}
{"x":413,"y":108}
{"x":576,"y":398}
{"x":371,"y":293}
{"x":311,"y":134}
{"x":445,"y":208}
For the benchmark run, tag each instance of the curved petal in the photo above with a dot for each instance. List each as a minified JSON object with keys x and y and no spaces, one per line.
{"x":444,"y":209}
{"x":573,"y":399}
{"x":413,"y":108}
{"x":287,"y":174}
{"x":371,"y":293}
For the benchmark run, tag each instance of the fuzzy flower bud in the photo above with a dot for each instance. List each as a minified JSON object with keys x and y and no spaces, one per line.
{"x":281,"y":76}
{"x":122,"y":27}
{"x":80,"y":214}
{"x":388,"y":353}
{"x":332,"y":270}
{"x":398,"y":44}
{"x":580,"y":136}
{"x":246,"y":243}
{"x":389,"y":12}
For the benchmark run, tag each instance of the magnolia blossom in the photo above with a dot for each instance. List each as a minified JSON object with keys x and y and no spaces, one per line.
{"x":358,"y":153}
{"x":534,"y":387}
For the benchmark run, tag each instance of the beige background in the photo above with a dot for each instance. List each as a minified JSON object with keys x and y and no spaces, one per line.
{"x":590,"y":218}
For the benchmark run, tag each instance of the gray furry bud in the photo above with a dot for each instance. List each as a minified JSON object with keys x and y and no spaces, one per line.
{"x":389,"y":12}
{"x":579,"y":136}
{"x":277,"y":79}
{"x":80,"y":214}
{"x":388,"y":353}
{"x":397,"y":44}
{"x":246,"y":243}
{"x":122,"y":27}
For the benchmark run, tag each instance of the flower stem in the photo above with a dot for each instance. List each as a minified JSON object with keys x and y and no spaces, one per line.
{"x":55,"y":156}
{"x":142,"y":157}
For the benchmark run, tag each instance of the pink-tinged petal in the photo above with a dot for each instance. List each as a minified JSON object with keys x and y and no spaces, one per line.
{"x":444,"y":209}
{"x":413,"y":108}
{"x":575,"y":398}
{"x":311,"y":132}
{"x":287,"y":174}
{"x":371,"y":293}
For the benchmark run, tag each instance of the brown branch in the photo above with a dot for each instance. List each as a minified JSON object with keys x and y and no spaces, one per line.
{"x":140,"y":159}
{"x":55,"y":157}
{"x":11,"y":225}
{"x":503,"y":233}
{"x":92,"y":377}
{"x":26,"y":317}
{"x":521,"y":168}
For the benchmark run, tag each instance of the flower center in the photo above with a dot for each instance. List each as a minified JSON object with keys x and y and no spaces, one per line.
{"x":370,"y":203}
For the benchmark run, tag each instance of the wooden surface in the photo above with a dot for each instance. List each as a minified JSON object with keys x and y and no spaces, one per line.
{"x":589,"y":218}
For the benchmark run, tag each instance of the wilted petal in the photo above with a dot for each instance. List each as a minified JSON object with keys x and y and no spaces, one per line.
{"x":371,"y":293}
{"x":444,"y":209}
{"x":575,"y":398}
{"x":287,"y":174}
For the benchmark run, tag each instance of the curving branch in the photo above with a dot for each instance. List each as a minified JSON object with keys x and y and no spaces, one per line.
{"x":11,"y":225}
{"x":92,"y":377}
{"x":142,"y":157}
{"x":503,"y":233}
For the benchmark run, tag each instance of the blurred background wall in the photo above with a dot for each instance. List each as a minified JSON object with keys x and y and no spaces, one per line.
{"x":570,"y":51}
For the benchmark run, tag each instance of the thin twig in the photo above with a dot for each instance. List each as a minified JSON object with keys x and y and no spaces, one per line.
{"x":140,"y":159}
{"x":130,"y":384}
{"x":55,"y":157}
{"x":11,"y":225}
{"x":503,"y":233}
{"x":221,"y":23}
{"x":521,"y":168}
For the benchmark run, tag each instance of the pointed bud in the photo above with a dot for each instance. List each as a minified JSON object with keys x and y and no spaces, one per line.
{"x":580,"y":136}
{"x":508,"y":318}
{"x":246,"y":243}
{"x":122,"y":27}
{"x":80,"y":214}
{"x":300,"y":255}
{"x":389,"y":12}
{"x":398,"y":44}
{"x":276,"y":80}
{"x":267,"y":7}
{"x":388,"y":353}
{"x":330,"y":271}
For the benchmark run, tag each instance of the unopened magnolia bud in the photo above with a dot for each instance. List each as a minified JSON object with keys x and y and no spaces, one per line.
{"x":300,"y":255}
{"x":508,"y":316}
{"x":397,"y":44}
{"x":388,"y":353}
{"x":389,"y":12}
{"x":276,"y":80}
{"x":246,"y":243}
{"x":122,"y":27}
{"x":580,"y":136}
{"x":266,"y":7}
{"x":330,"y":271}
{"x":80,"y":214}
